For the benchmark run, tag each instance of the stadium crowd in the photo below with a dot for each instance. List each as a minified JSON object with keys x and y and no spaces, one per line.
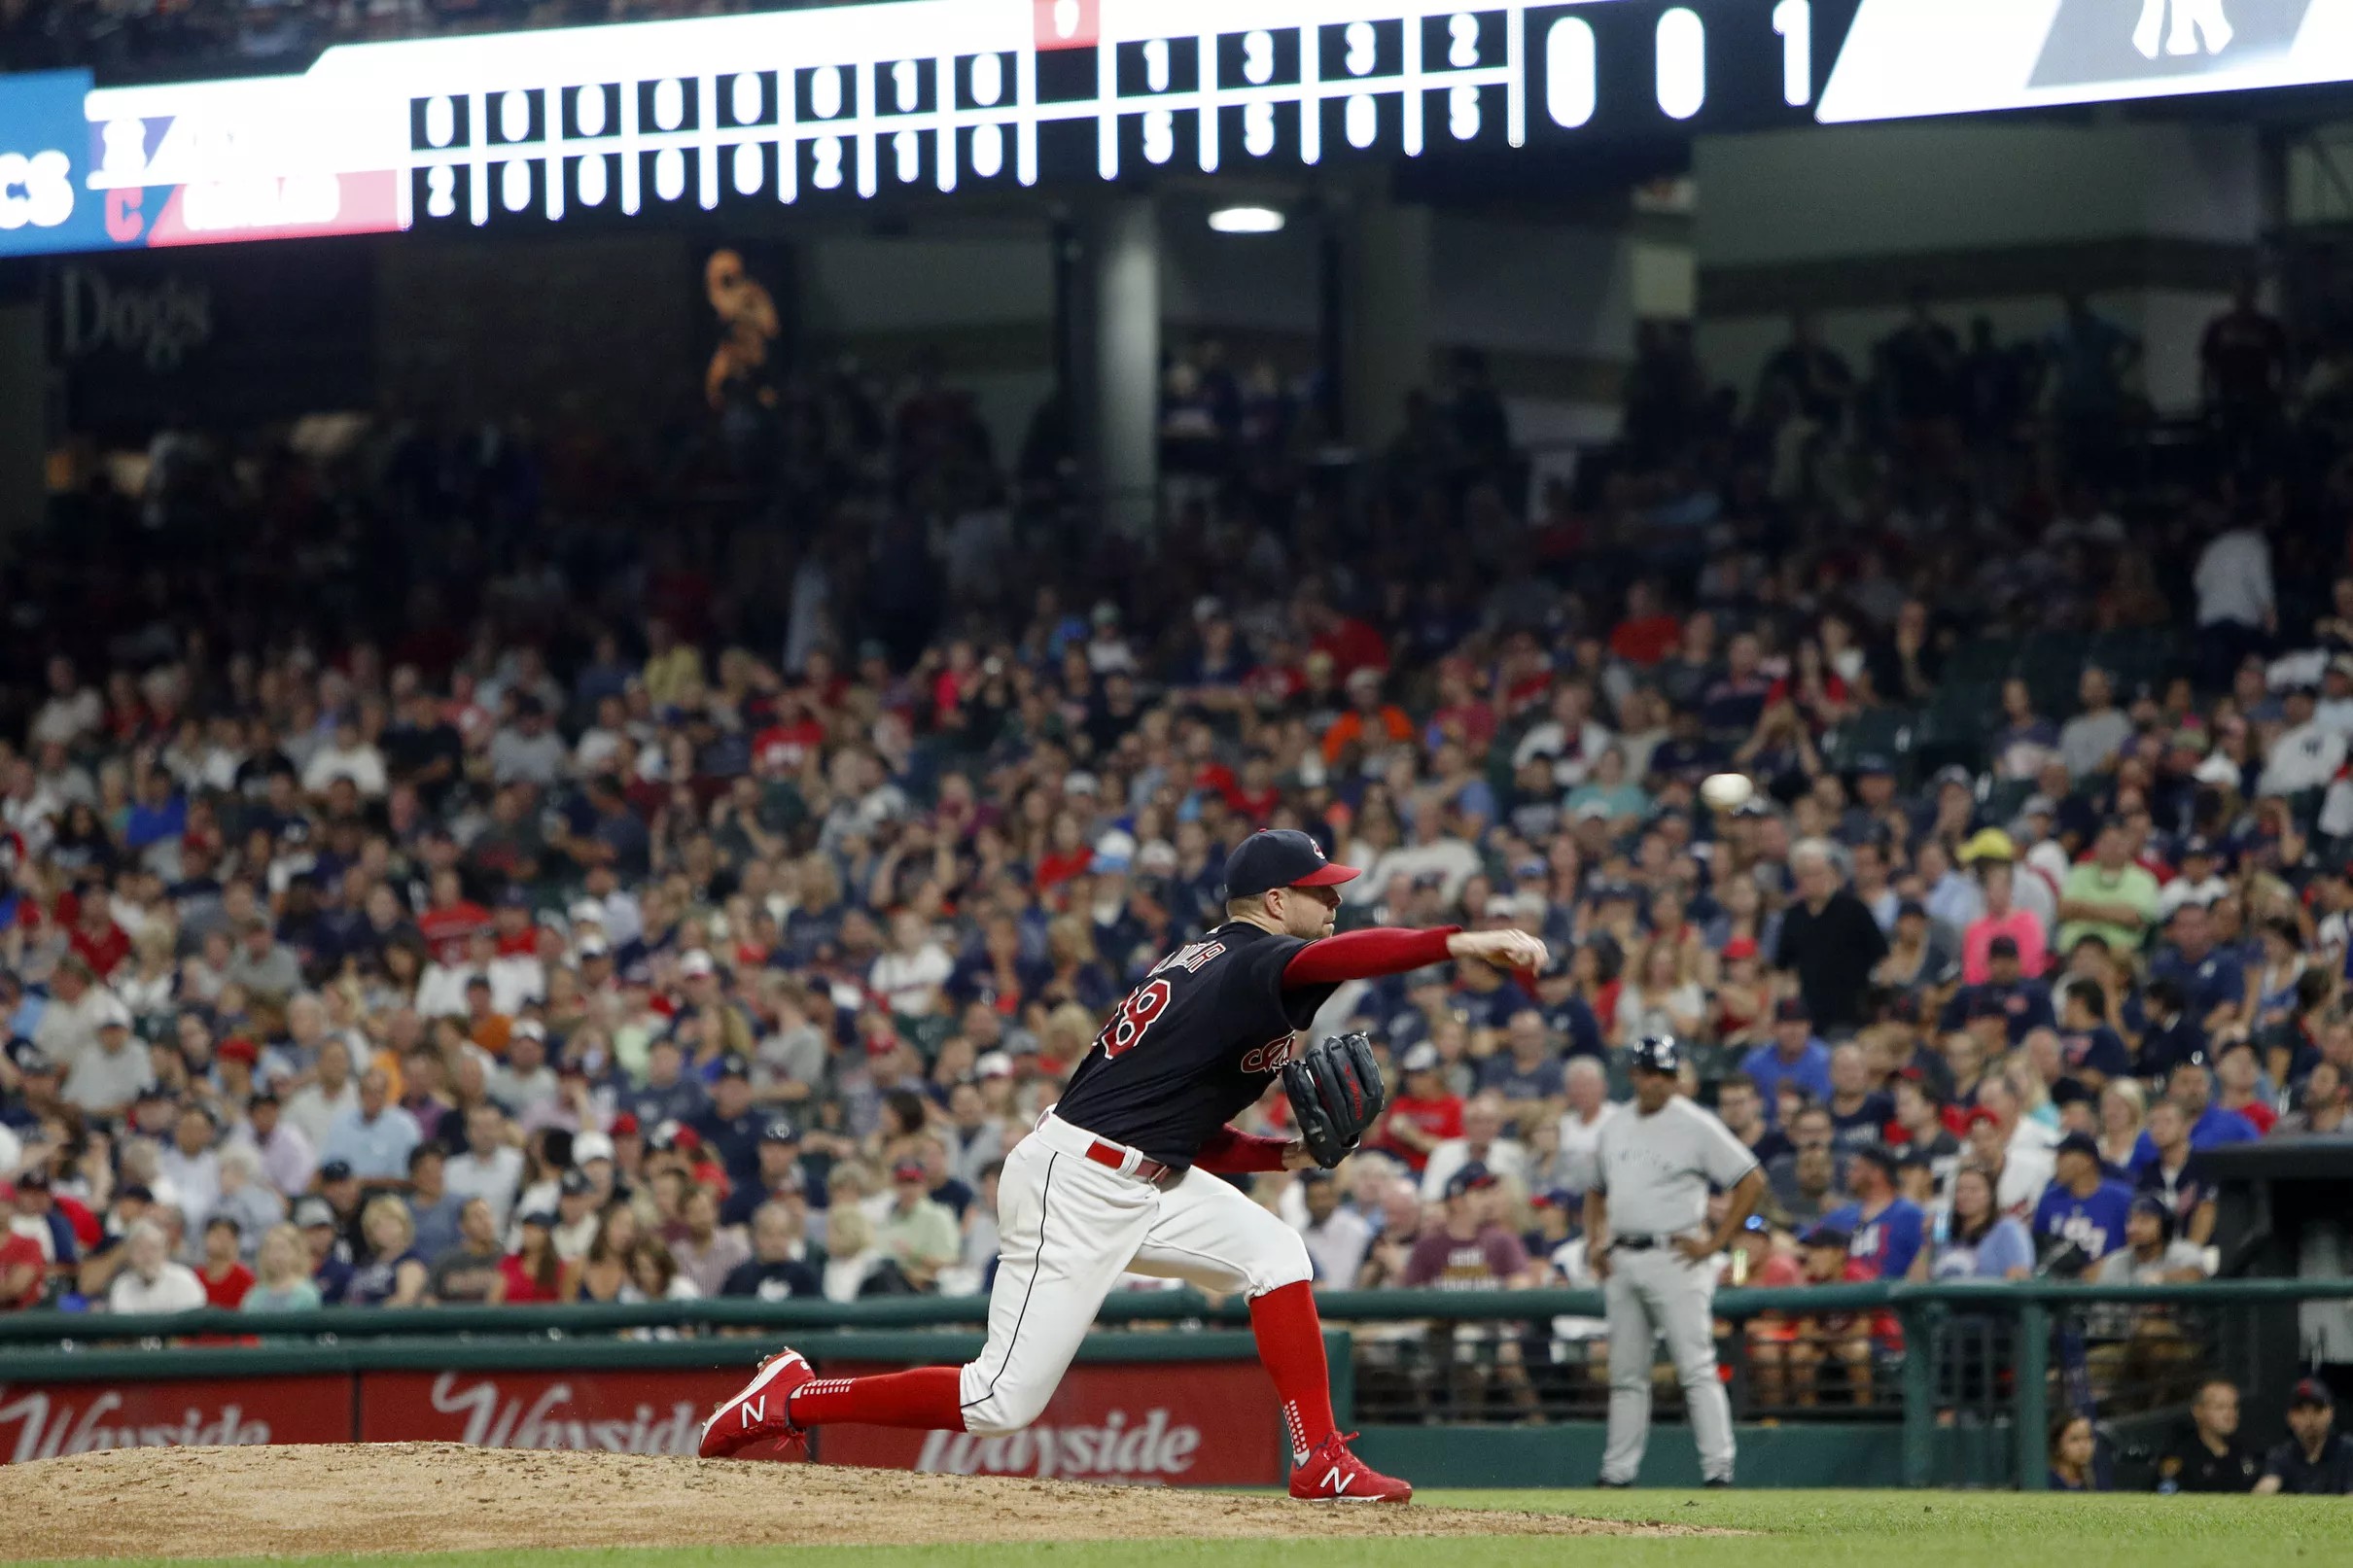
{"x":476,"y":886}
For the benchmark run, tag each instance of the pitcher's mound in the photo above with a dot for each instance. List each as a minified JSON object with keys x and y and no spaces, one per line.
{"x":298,"y":1501}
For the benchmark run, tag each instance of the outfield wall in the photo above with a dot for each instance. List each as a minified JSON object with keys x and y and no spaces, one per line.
{"x":1191,"y":1410}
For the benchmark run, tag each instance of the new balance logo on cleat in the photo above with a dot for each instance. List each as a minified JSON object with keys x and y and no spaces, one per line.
{"x":746,"y":1420}
{"x":1330,"y":1473}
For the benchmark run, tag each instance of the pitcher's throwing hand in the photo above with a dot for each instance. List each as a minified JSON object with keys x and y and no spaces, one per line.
{"x":1506,"y":950}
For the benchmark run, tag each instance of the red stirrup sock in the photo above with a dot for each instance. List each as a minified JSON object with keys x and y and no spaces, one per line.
{"x":1290,"y":1342}
{"x":927,"y":1396}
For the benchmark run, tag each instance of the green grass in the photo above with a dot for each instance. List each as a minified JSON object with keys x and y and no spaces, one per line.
{"x":1795,"y":1529}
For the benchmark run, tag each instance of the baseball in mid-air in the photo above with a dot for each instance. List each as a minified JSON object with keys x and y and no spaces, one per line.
{"x":1726,"y":791}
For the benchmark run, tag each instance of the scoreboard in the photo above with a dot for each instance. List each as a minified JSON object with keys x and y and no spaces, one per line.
{"x":854,"y":101}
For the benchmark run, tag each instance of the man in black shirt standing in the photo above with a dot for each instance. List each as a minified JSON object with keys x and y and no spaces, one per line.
{"x":1829,"y":941}
{"x":2209,"y":1457}
{"x":2315,"y":1461}
{"x":1119,"y":1175}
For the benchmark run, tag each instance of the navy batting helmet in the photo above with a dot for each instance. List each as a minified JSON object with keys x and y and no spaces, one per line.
{"x":1656,"y":1053}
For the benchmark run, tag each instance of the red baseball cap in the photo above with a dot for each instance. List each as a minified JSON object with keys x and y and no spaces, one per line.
{"x":1282,"y":857}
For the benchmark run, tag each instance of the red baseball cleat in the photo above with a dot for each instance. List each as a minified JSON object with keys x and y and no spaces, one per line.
{"x":757,"y":1413}
{"x":1333,"y":1475}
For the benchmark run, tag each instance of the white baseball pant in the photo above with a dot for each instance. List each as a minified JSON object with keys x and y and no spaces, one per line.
{"x":1652,"y":1293}
{"x":1067,"y":1227}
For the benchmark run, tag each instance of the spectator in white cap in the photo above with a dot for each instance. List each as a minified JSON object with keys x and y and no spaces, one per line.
{"x":621,"y":918}
{"x":104,"y":1079}
{"x":592,"y":1154}
{"x":725,"y":1030}
{"x":150,"y":1282}
{"x":583,"y":916}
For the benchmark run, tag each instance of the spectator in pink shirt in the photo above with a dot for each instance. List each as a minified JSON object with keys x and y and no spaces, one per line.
{"x":2002,"y":918}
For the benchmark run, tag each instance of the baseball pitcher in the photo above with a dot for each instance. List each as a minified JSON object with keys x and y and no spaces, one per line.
{"x":1118,"y":1176}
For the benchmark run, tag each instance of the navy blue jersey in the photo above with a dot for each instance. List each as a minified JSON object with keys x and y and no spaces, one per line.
{"x":2098,"y":1049}
{"x":1194,"y":1045}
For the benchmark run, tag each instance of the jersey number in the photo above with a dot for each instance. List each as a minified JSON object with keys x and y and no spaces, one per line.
{"x":1127,"y":1025}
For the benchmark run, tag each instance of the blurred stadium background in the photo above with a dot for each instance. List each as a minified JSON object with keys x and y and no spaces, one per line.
{"x":639,"y":616}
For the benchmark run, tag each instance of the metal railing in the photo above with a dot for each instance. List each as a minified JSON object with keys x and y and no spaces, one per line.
{"x":1968,"y":1372}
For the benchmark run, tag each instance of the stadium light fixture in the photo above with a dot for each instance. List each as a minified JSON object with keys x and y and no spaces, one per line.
{"x":1247,"y":220}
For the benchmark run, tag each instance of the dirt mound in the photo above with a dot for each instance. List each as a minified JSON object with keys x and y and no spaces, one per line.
{"x":445,"y":1497}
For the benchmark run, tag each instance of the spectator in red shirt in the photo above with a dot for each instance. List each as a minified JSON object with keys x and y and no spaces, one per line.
{"x":1352,"y":645}
{"x":22,"y":1270}
{"x":1462,"y":716}
{"x":1067,"y":852}
{"x":1424,"y":1114}
{"x":1647,"y":634}
{"x":225,"y":1277}
{"x":102,"y":943}
{"x":1255,"y":795}
{"x":452,"y":919}
{"x":528,"y":1275}
{"x":518,"y":936}
{"x":23,"y":1266}
{"x":784,"y":744}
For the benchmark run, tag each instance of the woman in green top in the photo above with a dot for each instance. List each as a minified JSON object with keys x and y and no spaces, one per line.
{"x":282,"y":1274}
